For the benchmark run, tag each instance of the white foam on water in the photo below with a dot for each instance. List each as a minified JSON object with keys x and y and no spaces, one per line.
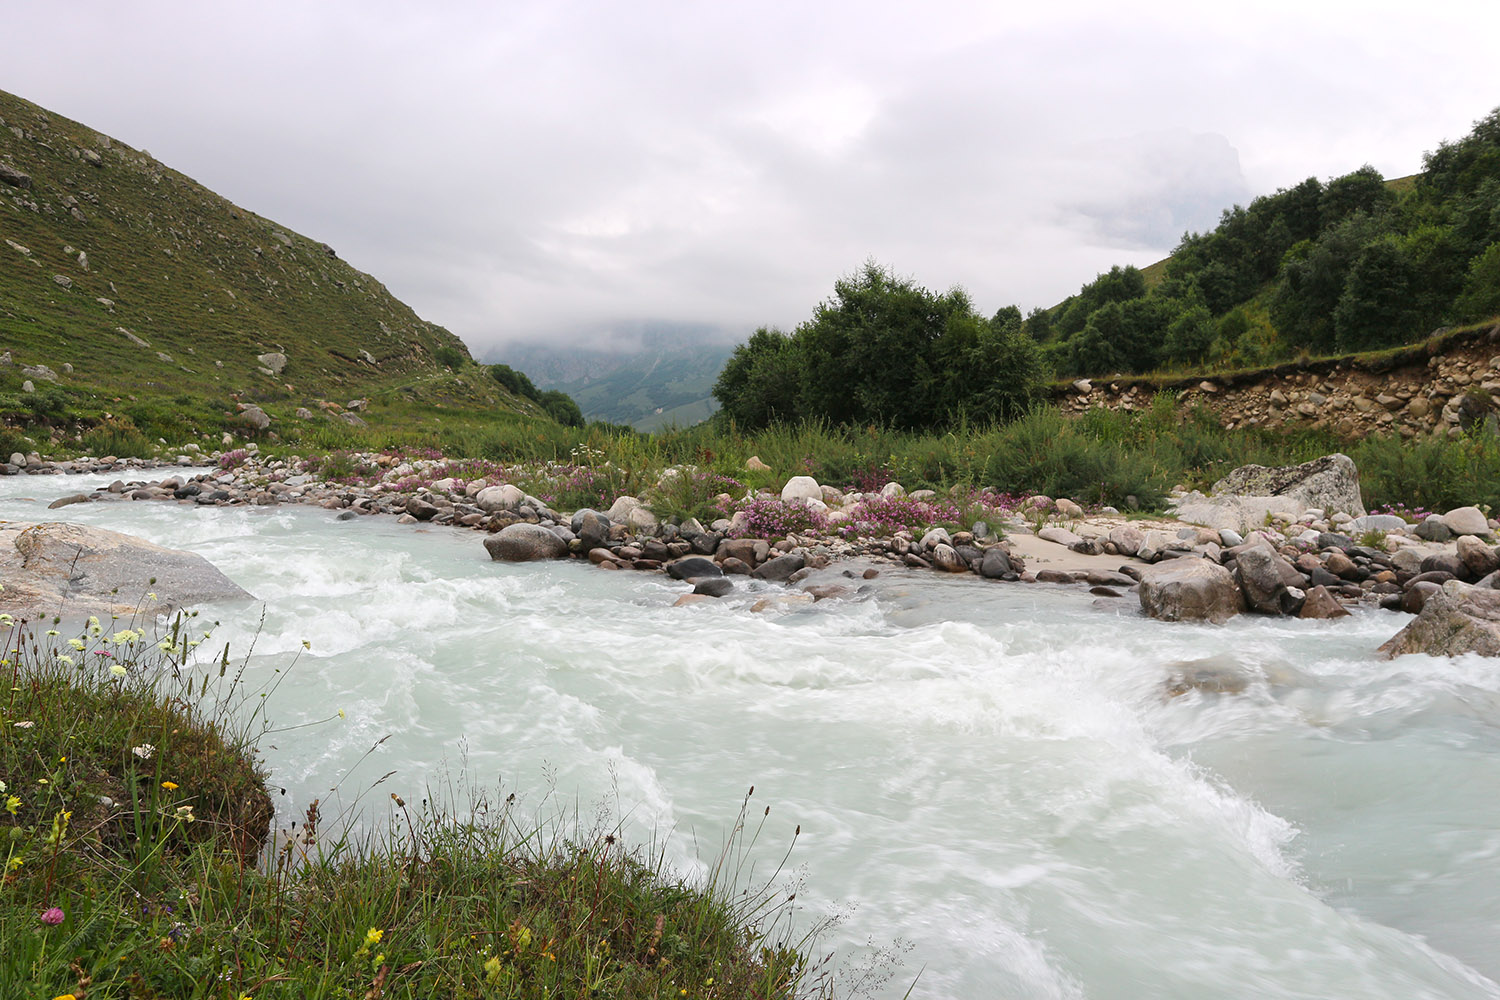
{"x":993,"y":774}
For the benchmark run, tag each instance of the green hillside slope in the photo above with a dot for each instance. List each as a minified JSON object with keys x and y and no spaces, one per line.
{"x":161,"y":306}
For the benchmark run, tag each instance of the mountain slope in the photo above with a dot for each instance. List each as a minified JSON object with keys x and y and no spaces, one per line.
{"x":147,"y":283}
{"x":661,"y":376}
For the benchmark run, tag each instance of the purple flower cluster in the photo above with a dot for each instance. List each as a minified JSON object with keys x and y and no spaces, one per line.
{"x":233,"y":459}
{"x":879,"y":517}
{"x":766,"y":517}
{"x":1413,"y":515}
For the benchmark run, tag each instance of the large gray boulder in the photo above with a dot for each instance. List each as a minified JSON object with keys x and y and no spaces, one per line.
{"x":1330,"y":483}
{"x":523,"y":542}
{"x":1264,"y":577}
{"x":1189,"y":589}
{"x":53,"y":568}
{"x":1455,"y":619}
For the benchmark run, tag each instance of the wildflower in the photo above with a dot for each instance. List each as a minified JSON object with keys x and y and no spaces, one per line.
{"x":373,"y":936}
{"x":66,"y":996}
{"x":144,"y":751}
{"x":7,"y":620}
{"x":125,"y":636}
{"x":93,"y":623}
{"x":76,"y":644}
{"x":342,"y":715}
{"x":27,"y":724}
{"x":185,"y":814}
{"x":52,"y":631}
{"x":151,"y":595}
{"x":523,"y":937}
{"x":492,"y":969}
{"x":12,"y":803}
{"x":15,"y":863}
{"x":2,"y":787}
{"x":65,"y":659}
{"x":170,"y":786}
{"x":52,"y":917}
{"x":117,"y":670}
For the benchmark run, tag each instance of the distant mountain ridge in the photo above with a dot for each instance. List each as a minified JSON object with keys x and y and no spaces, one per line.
{"x":648,"y":376}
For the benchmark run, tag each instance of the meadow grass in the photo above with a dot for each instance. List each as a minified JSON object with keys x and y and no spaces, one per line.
{"x":134,"y":808}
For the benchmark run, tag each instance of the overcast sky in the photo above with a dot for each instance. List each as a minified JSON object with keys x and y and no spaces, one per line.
{"x":517,"y":171}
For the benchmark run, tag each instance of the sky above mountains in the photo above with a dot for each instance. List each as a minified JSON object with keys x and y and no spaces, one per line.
{"x":556,"y":171}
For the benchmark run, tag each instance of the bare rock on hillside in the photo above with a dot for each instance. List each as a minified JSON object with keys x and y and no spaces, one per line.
{"x":54,"y":568}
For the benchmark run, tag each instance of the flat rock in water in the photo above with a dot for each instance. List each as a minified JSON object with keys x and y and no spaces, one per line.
{"x":54,"y":568}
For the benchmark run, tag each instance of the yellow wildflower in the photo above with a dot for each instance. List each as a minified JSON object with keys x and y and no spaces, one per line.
{"x":373,"y":936}
{"x":12,"y":803}
{"x":170,"y":786}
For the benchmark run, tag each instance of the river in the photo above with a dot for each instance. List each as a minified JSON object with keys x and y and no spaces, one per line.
{"x":997,"y":796}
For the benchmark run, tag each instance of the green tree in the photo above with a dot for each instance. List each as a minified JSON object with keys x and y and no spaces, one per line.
{"x":760,"y":382}
{"x":1480,"y":298}
{"x":561,"y":407}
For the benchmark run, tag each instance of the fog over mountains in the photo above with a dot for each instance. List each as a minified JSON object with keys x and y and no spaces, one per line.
{"x":647,"y":375}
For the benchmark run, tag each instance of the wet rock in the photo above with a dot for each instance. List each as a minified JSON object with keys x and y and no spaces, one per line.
{"x":1263,"y":577}
{"x":693,"y":568}
{"x":421,"y":509}
{"x":523,"y":542}
{"x":1210,"y":676}
{"x":780,"y":568}
{"x":1189,"y":589}
{"x":947,"y":559}
{"x":1455,"y":620}
{"x":1320,"y":603}
{"x":71,"y":498}
{"x":1058,"y":535}
{"x":714,"y":587}
{"x":1417,"y":594}
{"x":995,"y":563}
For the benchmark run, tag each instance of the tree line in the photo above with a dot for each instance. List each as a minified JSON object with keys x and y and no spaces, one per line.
{"x":1349,"y":265}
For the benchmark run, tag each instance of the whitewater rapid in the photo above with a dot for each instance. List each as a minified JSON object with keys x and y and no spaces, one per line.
{"x":996,"y":794}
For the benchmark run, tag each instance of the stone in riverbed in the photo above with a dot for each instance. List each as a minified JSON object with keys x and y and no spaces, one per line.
{"x":780,"y":568}
{"x":1330,"y":483}
{"x":497,"y":498}
{"x":995,"y":563}
{"x":55,"y":568}
{"x":1321,"y":604}
{"x":1479,"y":558}
{"x":523,"y":542}
{"x":1457,"y":619}
{"x":1189,"y":589}
{"x":715,"y":587}
{"x":1059,"y":536}
{"x":693,"y":568}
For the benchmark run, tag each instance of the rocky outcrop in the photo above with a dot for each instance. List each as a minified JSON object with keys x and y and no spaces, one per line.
{"x":1441,"y":387}
{"x":1454,"y":620}
{"x":54,"y":568}
{"x":1330,"y":484}
{"x":1189,"y":589}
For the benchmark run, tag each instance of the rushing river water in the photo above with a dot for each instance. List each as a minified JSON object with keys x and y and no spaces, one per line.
{"x":990,"y":777}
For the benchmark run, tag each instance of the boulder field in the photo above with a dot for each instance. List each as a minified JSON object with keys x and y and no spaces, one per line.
{"x":1311,"y":550}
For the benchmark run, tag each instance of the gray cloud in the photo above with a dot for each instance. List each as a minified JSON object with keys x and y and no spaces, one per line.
{"x":549,"y":170}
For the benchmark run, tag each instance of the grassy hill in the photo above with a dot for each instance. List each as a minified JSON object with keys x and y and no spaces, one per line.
{"x":162,"y":307}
